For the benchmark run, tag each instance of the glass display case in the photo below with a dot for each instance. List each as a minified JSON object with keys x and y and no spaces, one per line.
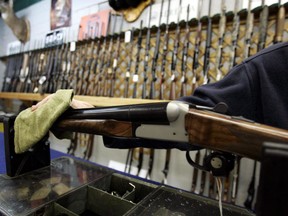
{"x":70,"y":186}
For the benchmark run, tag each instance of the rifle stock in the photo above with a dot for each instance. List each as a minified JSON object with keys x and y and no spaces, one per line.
{"x":204,"y":129}
{"x":96,"y":126}
{"x":230,"y":134}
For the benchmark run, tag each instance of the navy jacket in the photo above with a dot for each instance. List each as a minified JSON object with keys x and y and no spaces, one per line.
{"x":256,"y":89}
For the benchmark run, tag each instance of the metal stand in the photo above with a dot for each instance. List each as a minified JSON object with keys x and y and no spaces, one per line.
{"x":17,"y":164}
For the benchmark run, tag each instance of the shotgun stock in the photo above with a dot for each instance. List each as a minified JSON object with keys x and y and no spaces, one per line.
{"x":178,"y":122}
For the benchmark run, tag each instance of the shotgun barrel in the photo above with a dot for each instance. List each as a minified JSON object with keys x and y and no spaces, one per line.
{"x":176,"y":121}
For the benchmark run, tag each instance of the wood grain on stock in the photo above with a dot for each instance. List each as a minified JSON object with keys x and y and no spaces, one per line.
{"x":94,"y":126}
{"x":219,"y":132}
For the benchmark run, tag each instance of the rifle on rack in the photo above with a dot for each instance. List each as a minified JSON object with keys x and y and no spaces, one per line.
{"x":174,"y":56}
{"x":235,"y":34}
{"x":128,"y":70}
{"x":206,"y":66}
{"x":75,"y":61}
{"x":164,"y":53}
{"x":45,"y":73}
{"x":52,"y":80}
{"x":280,"y":23}
{"x":38,"y":69}
{"x":32,"y":65}
{"x":136,"y":75}
{"x":24,"y":71}
{"x":263,"y":26}
{"x":221,"y":35}
{"x":146,"y":57}
{"x":178,"y":123}
{"x":87,"y":69}
{"x":185,"y":56}
{"x":81,"y":68}
{"x":16,"y":70}
{"x":99,"y":73}
{"x":108,"y":62}
{"x":92,"y":85}
{"x":115,"y":60}
{"x":197,"y":46}
{"x":155,"y":56}
{"x":11,"y":62}
{"x":248,"y":30}
{"x":65,"y":65}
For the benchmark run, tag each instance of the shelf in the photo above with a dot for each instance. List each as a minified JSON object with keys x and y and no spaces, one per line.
{"x":95,"y":101}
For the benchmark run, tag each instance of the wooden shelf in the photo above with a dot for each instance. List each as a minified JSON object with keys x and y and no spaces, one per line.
{"x":96,"y":101}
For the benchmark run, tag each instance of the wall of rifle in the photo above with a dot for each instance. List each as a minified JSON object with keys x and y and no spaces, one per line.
{"x":163,"y":62}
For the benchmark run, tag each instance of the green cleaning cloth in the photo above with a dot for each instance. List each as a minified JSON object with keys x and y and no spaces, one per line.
{"x":30,"y":127}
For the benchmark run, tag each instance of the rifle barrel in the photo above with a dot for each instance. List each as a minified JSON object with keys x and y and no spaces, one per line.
{"x":153,"y":112}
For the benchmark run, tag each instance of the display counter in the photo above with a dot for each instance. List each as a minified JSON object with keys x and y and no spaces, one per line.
{"x":70,"y":186}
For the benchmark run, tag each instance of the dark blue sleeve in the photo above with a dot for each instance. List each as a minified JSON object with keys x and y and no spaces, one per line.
{"x":256,"y":89}
{"x":234,"y":89}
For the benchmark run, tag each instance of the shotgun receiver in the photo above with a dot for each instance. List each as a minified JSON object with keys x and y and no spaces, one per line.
{"x":179,"y":124}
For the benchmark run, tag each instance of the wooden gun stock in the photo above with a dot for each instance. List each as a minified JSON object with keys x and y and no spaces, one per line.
{"x":225,"y":133}
{"x":95,"y":126}
{"x":205,"y":129}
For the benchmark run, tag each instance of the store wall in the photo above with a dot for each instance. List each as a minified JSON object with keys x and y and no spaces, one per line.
{"x":180,"y":174}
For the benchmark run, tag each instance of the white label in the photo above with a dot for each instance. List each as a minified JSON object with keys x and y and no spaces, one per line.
{"x":13,"y":47}
{"x":127,"y":36}
{"x":73,"y":46}
{"x":114,"y":63}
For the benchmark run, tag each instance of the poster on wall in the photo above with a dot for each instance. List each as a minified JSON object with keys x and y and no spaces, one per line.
{"x":94,"y":25}
{"x":60,"y":14}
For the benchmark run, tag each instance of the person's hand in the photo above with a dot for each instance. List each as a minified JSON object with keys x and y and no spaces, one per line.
{"x":75,"y":104}
{"x":40,"y":103}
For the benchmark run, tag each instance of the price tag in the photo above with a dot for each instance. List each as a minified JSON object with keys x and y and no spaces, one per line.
{"x":135,"y":78}
{"x":127,"y":36}
{"x":73,"y":46}
{"x":114,"y":63}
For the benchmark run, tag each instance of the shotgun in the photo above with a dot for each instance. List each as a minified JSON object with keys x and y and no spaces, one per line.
{"x":165,"y":52}
{"x":174,"y":73}
{"x":115,"y":63}
{"x":176,"y":122}
{"x":206,"y":66}
{"x":197,"y":46}
{"x":146,"y":58}
{"x":136,"y":75}
{"x":263,"y":26}
{"x":235,"y":35}
{"x":248,"y":30}
{"x":221,"y":35}
{"x":109,"y":57}
{"x":185,"y":56}
{"x":280,"y":23}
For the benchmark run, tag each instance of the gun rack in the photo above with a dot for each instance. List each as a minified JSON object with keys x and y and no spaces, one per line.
{"x":103,"y":73}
